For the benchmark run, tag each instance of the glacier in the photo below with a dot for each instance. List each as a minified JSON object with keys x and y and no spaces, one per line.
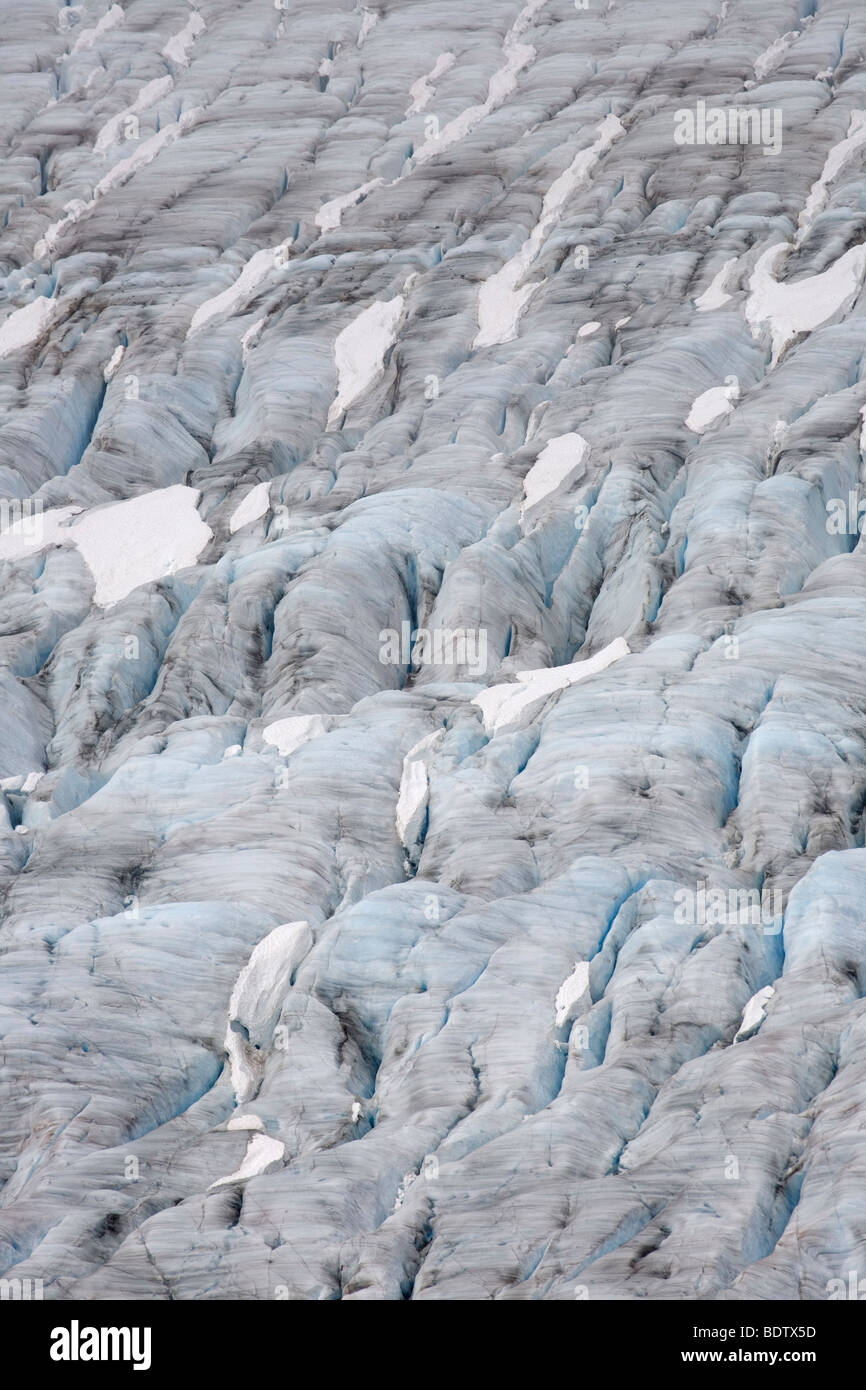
{"x":526,"y":961}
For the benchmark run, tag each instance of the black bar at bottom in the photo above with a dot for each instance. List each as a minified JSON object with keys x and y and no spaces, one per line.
{"x":63,"y":1339}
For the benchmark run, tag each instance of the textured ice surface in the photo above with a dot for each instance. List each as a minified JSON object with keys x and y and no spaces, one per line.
{"x":426,"y":745}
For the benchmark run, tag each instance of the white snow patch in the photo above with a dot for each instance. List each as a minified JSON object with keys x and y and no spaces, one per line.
{"x":800,"y":307}
{"x":500,"y":301}
{"x":290,"y":734}
{"x":836,"y":159}
{"x":414,"y":790}
{"x":245,"y":1122}
{"x":251,"y":337}
{"x":238,"y":294}
{"x":263,"y":1155}
{"x":710,"y":406}
{"x":148,"y":150}
{"x":178,"y":46}
{"x":571,"y":991}
{"x":772,"y":56}
{"x":26,"y":325}
{"x":256,"y":999}
{"x":502,"y":705}
{"x":503,"y":82}
{"x":234,"y":750}
{"x":588,"y":329}
{"x":21,"y":782}
{"x":621,"y":323}
{"x":124,"y":544}
{"x":150,"y":92}
{"x":87,"y":38}
{"x":368,"y":24}
{"x":131,"y":543}
{"x":254,"y":505}
{"x":714,"y":295}
{"x":359,"y":351}
{"x":74,"y":209}
{"x":558,"y":459}
{"x":523,"y":21}
{"x":422,"y":91}
{"x":113,"y":362}
{"x":118,"y":174}
{"x":330,"y":214}
{"x":754,"y":1012}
